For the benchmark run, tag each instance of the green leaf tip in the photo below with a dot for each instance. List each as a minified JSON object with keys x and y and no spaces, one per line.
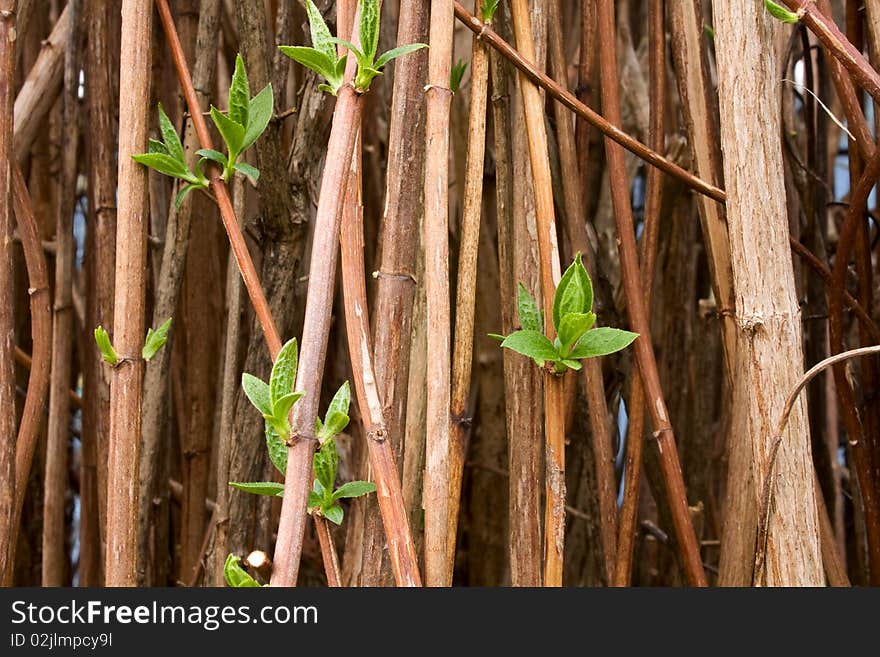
{"x":236,"y":576}
{"x":780,"y":13}
{"x":108,"y":353}
{"x":155,"y":340}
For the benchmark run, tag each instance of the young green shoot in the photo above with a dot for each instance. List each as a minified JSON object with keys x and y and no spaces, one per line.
{"x":154,"y":341}
{"x":573,"y":319}
{"x":780,"y":13}
{"x":457,"y":75}
{"x":236,"y":576}
{"x":274,"y":401}
{"x":321,"y":57}
{"x":240,"y":127}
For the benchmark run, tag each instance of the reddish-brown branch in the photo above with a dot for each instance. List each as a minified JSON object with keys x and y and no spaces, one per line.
{"x":328,"y":551}
{"x":404,"y":561}
{"x":7,"y":302}
{"x":571,"y":102}
{"x":654,"y":196}
{"x":41,"y":337}
{"x":635,"y":303}
{"x":221,"y":192}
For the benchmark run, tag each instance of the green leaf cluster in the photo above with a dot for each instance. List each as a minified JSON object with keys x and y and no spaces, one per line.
{"x":154,"y":341}
{"x":241,"y":126}
{"x":275,"y":399}
{"x":272,"y":400}
{"x":322,"y":58}
{"x":167,"y":156}
{"x":324,"y":496}
{"x":573,"y":319}
{"x":236,"y":576}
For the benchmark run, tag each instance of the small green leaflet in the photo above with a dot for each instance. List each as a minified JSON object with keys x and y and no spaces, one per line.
{"x":236,"y":576}
{"x":155,"y":340}
{"x":457,"y":75}
{"x":602,"y":341}
{"x":780,"y":13}
{"x":574,"y":294}
{"x":354,"y":489}
{"x":530,"y":316}
{"x":270,"y":488}
{"x":108,"y":353}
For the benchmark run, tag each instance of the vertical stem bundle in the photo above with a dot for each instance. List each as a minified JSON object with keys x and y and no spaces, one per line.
{"x":466,"y":293}
{"x":436,"y":488}
{"x":768,"y":347}
{"x":55,"y":481}
{"x":548,"y":250}
{"x":635,"y":303}
{"x":126,"y":383}
{"x":654,"y":185}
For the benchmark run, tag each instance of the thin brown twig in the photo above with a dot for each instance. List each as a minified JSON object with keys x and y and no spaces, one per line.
{"x":466,"y":293}
{"x":571,"y":102}
{"x":389,"y":494}
{"x":438,"y":97}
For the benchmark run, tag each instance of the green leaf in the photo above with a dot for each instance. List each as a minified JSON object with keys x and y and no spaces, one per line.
{"x":334,"y":424}
{"x":532,"y":344}
{"x":574,"y":294}
{"x":394,"y":53}
{"x":283,"y":371}
{"x":277,"y":449}
{"x":364,"y":77}
{"x":182,"y":194}
{"x":232,"y":132}
{"x":325,"y":463}
{"x":214,"y":156}
{"x":270,"y":488}
{"x":571,"y":364}
{"x":354,"y":489}
{"x":456,"y":75}
{"x":572,"y":327}
{"x":170,"y":136}
{"x":154,"y":146}
{"x":487,"y":13}
{"x":239,"y":94}
{"x":108,"y":353}
{"x":780,"y":13}
{"x":359,"y":55}
{"x":250,"y":171}
{"x":261,"y":107}
{"x":369,"y":28}
{"x":321,"y":37}
{"x":257,"y":392}
{"x":601,"y":342}
{"x":156,"y":340}
{"x":312,"y":59}
{"x":341,"y":400}
{"x":280,"y":425}
{"x":531,"y":318}
{"x":315,"y":500}
{"x":333,"y":513}
{"x":236,"y":576}
{"x":165,"y":164}
{"x":496,"y":336}
{"x":283,"y":405}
